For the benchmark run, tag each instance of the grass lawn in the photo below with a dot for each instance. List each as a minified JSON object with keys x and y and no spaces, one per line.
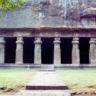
{"x":14,"y":79}
{"x":79,"y":81}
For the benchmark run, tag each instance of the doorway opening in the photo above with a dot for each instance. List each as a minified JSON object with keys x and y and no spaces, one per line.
{"x":66,"y":50}
{"x":84,"y":50}
{"x":10,"y":50}
{"x":28,"y":50}
{"x":47,"y":50}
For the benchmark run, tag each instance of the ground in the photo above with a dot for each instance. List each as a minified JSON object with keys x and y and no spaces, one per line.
{"x":80,"y":80}
{"x":12,"y":80}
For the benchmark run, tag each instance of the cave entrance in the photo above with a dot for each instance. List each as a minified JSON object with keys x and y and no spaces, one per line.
{"x":47,"y":50}
{"x":28,"y":50}
{"x":84,"y":50}
{"x":10,"y":48}
{"x":66,"y":50}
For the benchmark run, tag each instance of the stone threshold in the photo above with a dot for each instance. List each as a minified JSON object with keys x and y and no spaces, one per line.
{"x":12,"y":65}
{"x":43,"y":93}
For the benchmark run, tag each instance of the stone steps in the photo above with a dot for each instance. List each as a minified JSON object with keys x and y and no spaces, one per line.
{"x":46,"y":67}
{"x":43,"y":93}
{"x":46,"y":81}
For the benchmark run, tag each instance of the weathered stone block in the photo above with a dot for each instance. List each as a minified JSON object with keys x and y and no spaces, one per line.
{"x":37,"y":52}
{"x":75,"y":51}
{"x":2,"y":50}
{"x":19,"y":50}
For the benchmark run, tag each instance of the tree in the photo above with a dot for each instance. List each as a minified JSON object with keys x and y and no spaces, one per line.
{"x":10,"y":4}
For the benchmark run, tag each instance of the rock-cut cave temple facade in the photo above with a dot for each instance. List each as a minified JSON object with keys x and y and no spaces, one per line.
{"x":49,"y":32}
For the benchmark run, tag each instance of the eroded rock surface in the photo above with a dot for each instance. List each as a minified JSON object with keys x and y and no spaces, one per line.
{"x":54,"y":13}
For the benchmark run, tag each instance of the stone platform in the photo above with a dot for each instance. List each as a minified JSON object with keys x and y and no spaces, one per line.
{"x":43,"y":93}
{"x":47,"y":67}
{"x":38,"y":66}
{"x":46,"y":81}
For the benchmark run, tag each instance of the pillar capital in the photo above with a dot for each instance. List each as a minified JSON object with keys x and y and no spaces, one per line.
{"x":57,"y":41}
{"x":75,"y":42}
{"x":38,"y":41}
{"x":92,"y":41}
{"x":19,"y":40}
{"x":2,"y":41}
{"x":75,"y":39}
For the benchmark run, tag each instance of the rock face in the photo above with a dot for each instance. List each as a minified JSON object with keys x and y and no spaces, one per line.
{"x":54,"y":13}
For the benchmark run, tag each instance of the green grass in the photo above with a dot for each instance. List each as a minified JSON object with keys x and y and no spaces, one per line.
{"x":15,"y":78}
{"x":79,"y":79}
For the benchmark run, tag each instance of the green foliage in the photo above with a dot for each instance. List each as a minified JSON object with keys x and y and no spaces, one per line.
{"x":10,"y":4}
{"x":40,"y":7}
{"x":19,"y":12}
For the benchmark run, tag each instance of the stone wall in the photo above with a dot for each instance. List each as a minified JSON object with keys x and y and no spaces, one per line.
{"x":51,"y":13}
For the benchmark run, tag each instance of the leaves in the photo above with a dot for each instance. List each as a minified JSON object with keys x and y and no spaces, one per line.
{"x":40,"y":7}
{"x":19,"y":12}
{"x":0,"y":16}
{"x":10,"y":4}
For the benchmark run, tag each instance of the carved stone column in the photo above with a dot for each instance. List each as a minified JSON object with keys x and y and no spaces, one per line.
{"x":37,"y":51}
{"x":75,"y":51}
{"x":92,"y":51}
{"x":19,"y":50}
{"x":2,"y":50}
{"x":95,"y":51}
{"x":57,"y":51}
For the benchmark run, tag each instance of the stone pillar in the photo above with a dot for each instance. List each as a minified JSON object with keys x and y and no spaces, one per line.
{"x":37,"y":51}
{"x":95,"y":51}
{"x":75,"y":51}
{"x":57,"y":51}
{"x":92,"y":51}
{"x":2,"y":50}
{"x":19,"y":50}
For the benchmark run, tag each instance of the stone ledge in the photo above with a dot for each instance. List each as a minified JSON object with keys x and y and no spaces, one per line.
{"x":55,"y":65}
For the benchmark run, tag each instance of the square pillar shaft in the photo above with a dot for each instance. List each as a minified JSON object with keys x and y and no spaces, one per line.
{"x":57,"y":51}
{"x":19,"y":50}
{"x":2,"y":50}
{"x":37,"y":51}
{"x":92,"y":51}
{"x":75,"y":51}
